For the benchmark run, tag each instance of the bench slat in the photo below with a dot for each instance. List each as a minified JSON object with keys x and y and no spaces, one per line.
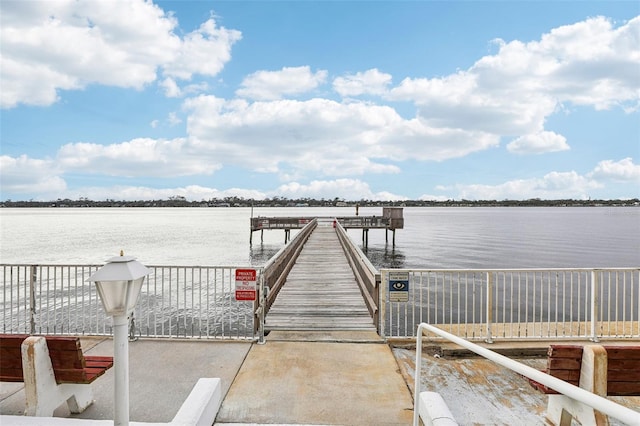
{"x":565,"y":351}
{"x":71,"y":376}
{"x":8,"y":375}
{"x":622,"y":352}
{"x":624,"y":376}
{"x":564,"y":364}
{"x":623,"y":389}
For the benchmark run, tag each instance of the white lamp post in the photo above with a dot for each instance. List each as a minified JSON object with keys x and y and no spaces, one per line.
{"x":119,"y":283}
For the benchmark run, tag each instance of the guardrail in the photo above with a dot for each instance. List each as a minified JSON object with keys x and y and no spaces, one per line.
{"x":514,"y":303}
{"x":366,"y":274}
{"x":610,"y":408}
{"x":175,"y":301}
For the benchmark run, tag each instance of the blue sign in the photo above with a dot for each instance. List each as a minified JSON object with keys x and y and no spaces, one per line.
{"x":398,"y":286}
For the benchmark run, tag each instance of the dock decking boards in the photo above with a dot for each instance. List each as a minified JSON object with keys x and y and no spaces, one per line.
{"x":321,"y":292}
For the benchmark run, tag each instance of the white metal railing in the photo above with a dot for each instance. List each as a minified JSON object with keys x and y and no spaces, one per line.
{"x":610,"y":408}
{"x":515,"y":303}
{"x":175,"y":301}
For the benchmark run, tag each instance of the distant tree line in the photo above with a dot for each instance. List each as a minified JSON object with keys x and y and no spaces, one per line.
{"x":180,"y":201}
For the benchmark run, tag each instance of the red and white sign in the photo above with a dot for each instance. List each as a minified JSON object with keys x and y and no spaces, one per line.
{"x":246,"y":284}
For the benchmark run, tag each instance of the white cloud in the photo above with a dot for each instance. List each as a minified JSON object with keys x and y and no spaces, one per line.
{"x":170,"y":87}
{"x":538,"y":143}
{"x":512,"y":92}
{"x":204,"y":51}
{"x":348,"y":189}
{"x":552,"y":186}
{"x":50,"y":46}
{"x":319,"y":135}
{"x":621,"y":171}
{"x":273,"y":85}
{"x":371,"y":82}
{"x":138,"y":157}
{"x":29,"y":175}
{"x":173,"y":119}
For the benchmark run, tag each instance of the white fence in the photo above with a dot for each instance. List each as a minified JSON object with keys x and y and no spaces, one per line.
{"x":175,"y":301}
{"x":199,"y":302}
{"x":513,"y":304}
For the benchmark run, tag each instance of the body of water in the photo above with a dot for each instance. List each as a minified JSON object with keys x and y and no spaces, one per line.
{"x":440,"y":237}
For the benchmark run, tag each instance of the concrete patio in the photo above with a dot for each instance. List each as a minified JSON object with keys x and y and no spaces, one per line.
{"x":340,"y":380}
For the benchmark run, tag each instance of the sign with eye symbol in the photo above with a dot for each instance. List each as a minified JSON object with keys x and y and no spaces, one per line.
{"x":398,"y":286}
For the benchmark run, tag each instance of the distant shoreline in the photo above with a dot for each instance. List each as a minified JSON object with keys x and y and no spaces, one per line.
{"x":280,"y":202}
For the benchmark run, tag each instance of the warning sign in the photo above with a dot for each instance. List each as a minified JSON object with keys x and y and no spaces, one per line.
{"x":398,"y":286}
{"x":245,"y":284}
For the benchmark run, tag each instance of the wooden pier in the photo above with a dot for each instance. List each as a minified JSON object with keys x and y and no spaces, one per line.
{"x":321,"y":291}
{"x":390,"y":220}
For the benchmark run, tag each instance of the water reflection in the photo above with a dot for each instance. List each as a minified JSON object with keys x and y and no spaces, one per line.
{"x":259,"y":254}
{"x":386,"y":256}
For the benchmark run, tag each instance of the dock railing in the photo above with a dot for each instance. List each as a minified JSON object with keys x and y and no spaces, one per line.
{"x":367,"y":275}
{"x":514,"y":303}
{"x":175,"y":301}
{"x":610,"y":408}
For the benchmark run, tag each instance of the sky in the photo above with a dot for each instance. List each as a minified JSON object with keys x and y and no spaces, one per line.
{"x":357,"y":100}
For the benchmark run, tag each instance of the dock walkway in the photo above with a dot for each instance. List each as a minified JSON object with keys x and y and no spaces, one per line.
{"x":321,"y":292}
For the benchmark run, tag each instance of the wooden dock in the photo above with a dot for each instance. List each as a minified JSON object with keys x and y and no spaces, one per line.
{"x":391,"y":219}
{"x":321,"y":292}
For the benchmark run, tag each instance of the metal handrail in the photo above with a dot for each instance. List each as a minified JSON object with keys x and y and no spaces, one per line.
{"x":599,"y":403}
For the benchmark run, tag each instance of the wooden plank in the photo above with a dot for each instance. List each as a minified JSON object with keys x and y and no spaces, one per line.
{"x":320,"y":292}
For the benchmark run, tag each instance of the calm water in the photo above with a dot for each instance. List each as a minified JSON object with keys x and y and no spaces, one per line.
{"x":432,"y":237}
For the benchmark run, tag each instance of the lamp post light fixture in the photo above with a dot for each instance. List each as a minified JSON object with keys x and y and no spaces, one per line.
{"x":119,"y":283}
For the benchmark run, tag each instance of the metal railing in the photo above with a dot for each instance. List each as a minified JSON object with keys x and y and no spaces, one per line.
{"x":175,"y":301}
{"x":516,"y":303}
{"x":199,"y":302}
{"x":610,"y":408}
{"x":366,"y":274}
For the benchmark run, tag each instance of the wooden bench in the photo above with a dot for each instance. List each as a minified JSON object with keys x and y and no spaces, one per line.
{"x":54,"y":370}
{"x":604,"y":370}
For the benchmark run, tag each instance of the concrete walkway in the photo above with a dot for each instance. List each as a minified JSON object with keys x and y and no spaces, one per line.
{"x":339,"y":378}
{"x":319,"y":383}
{"x":287,"y":382}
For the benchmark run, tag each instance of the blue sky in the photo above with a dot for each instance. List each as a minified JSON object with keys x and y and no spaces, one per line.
{"x":380,"y":100}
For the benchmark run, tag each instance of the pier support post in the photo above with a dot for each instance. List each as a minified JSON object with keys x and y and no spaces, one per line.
{"x":365,"y":237}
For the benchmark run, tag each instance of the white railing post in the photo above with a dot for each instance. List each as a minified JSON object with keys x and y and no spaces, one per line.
{"x":416,"y":380}
{"x":261,"y":309}
{"x":32,"y":297}
{"x":595,"y":302}
{"x":382,"y":302}
{"x":489,"y":338}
